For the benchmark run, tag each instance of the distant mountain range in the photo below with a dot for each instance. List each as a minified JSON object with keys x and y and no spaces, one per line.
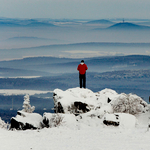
{"x":121,"y":73}
{"x":101,"y":21}
{"x":127,"y":81}
{"x":24,"y":23}
{"x":8,"y":22}
{"x":49,"y":66}
{"x":127,"y":25}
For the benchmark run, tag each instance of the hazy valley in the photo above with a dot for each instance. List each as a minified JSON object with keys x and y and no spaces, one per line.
{"x":43,"y":54}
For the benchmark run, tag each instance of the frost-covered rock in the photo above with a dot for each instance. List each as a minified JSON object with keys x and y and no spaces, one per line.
{"x":25,"y":120}
{"x":3,"y":124}
{"x":55,"y":120}
{"x":77,"y":100}
{"x":52,"y":120}
{"x":90,"y":108}
{"x":78,"y":107}
{"x":123,"y":120}
{"x":89,"y":119}
{"x":111,"y":119}
{"x":129,"y":103}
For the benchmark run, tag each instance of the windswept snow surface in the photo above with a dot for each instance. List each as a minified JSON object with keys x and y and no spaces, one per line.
{"x":95,"y":138}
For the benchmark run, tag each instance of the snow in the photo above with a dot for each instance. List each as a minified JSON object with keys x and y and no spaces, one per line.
{"x":125,"y":120}
{"x":128,"y":103}
{"x":85,"y":131}
{"x":33,"y":118}
{"x":26,"y":105}
{"x":89,"y":138}
{"x":68,"y":97}
{"x":2,"y":124}
{"x":22,"y":92}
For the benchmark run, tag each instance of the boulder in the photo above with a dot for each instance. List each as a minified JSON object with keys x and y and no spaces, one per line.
{"x":24,"y":121}
{"x":129,"y":103}
{"x":111,"y":119}
{"x":77,"y":100}
{"x":120,"y":119}
{"x":52,"y":120}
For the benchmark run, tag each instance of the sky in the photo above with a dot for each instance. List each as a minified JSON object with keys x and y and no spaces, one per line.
{"x":75,"y":9}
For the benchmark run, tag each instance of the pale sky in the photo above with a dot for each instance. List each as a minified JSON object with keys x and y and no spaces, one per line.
{"x":75,"y":9}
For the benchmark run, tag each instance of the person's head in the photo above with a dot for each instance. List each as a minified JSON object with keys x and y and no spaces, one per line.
{"x":82,"y":62}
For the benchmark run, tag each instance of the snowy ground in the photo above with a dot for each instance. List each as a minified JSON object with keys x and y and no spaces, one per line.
{"x":106,"y":138}
{"x":82,"y":137}
{"x":82,"y":134}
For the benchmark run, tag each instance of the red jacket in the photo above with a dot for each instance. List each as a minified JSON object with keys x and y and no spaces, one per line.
{"x":82,"y":68}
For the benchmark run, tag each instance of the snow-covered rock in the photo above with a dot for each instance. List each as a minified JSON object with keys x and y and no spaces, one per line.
{"x":2,"y":124}
{"x":127,"y":120}
{"x":55,"y":120}
{"x":25,"y":120}
{"x":52,"y":120}
{"x":123,"y":120}
{"x":77,"y":100}
{"x":78,"y":107}
{"x":91,"y":108}
{"x":129,"y":103}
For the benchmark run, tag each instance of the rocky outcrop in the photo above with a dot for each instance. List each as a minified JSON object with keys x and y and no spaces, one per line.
{"x":75,"y":100}
{"x":107,"y":106}
{"x":78,"y":101}
{"x":75,"y":107}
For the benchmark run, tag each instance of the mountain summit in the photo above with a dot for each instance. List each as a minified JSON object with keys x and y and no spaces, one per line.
{"x":127,"y":25}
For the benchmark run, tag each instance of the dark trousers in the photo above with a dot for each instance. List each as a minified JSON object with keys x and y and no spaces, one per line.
{"x":82,"y":79}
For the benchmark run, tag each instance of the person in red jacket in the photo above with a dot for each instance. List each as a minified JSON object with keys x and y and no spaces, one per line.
{"x":82,"y":67}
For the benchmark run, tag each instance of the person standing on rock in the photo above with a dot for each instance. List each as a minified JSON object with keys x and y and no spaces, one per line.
{"x":82,"y":67}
